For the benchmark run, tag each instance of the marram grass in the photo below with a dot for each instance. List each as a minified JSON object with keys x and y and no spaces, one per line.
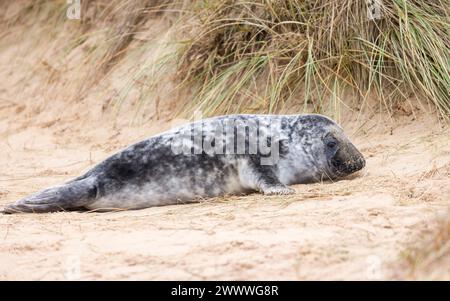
{"x":266,"y":55}
{"x":260,"y":55}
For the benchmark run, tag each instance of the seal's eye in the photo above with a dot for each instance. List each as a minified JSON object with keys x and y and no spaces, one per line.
{"x":331,"y":144}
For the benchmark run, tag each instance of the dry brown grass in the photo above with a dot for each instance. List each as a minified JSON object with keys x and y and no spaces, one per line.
{"x":248,"y":55}
{"x":424,"y":258}
{"x":266,"y":56}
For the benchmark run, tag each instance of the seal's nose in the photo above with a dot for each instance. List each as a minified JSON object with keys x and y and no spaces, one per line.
{"x":357,"y":159}
{"x":358,"y":164}
{"x":363,"y":162}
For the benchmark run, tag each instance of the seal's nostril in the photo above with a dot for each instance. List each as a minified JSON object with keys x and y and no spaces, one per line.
{"x":363,"y":162}
{"x":358,"y":164}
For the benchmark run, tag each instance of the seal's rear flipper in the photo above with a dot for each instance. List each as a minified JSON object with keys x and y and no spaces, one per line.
{"x":74,"y":194}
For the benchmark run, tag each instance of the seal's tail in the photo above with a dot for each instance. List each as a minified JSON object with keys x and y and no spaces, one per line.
{"x":73,"y":194}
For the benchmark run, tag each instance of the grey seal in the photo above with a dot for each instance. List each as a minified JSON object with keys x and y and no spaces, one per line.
{"x":224,"y":155}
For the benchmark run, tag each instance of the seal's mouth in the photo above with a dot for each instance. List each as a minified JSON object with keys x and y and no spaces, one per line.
{"x":343,"y":168}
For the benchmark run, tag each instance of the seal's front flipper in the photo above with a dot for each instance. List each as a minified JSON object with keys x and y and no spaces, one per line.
{"x":278,"y":190}
{"x":266,"y":181}
{"x":74,"y":194}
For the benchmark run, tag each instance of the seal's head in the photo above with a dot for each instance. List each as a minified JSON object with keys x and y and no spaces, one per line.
{"x":341,"y":155}
{"x":336,"y":157}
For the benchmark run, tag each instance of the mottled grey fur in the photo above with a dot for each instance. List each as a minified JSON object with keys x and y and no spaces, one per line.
{"x":311,"y":148}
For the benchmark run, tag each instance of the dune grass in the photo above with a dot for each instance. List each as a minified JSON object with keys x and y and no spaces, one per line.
{"x":422,"y":259}
{"x":266,"y":56}
{"x":263,"y":54}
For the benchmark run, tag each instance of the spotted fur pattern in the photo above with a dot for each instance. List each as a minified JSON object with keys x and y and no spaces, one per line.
{"x":154,"y":172}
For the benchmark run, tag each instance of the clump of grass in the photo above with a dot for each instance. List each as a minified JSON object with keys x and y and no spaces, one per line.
{"x":109,"y":32}
{"x":38,"y":10}
{"x":131,"y":14}
{"x":260,"y":55}
{"x":113,"y":26}
{"x":265,"y":56}
{"x":429,"y":259}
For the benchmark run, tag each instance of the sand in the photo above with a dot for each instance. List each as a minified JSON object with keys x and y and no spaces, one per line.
{"x":357,"y":228}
